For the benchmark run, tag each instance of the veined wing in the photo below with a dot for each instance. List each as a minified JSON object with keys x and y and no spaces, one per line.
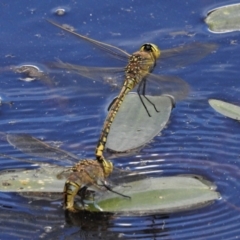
{"x":52,"y":174}
{"x":46,"y":182}
{"x":113,"y":76}
{"x":124,"y":177}
{"x":35,"y":147}
{"x":169,"y":85}
{"x":114,"y":51}
{"x":184,"y":55}
{"x":170,"y":58}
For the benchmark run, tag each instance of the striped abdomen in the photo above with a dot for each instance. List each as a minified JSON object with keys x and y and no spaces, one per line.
{"x":135,"y":72}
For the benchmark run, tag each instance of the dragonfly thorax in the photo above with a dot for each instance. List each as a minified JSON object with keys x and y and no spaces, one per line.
{"x":140,"y":64}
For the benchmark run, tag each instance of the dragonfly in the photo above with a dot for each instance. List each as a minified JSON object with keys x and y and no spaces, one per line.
{"x":83,"y":179}
{"x":138,"y":71}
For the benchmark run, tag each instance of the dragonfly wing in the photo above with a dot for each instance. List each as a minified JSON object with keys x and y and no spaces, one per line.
{"x":120,"y":177}
{"x":35,"y":147}
{"x":111,"y":76}
{"x":169,"y":85}
{"x":65,"y":173}
{"x":184,"y":55}
{"x":110,"y":49}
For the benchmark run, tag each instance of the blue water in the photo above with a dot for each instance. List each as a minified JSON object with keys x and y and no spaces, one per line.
{"x":69,"y":111}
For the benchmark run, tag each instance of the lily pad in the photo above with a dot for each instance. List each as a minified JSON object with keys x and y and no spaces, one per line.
{"x":43,"y":179}
{"x":224,"y":19}
{"x":132,"y":127}
{"x":165,"y":194}
{"x":225,"y":108}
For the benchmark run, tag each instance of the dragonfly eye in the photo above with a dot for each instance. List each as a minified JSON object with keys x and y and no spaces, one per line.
{"x":150,"y":47}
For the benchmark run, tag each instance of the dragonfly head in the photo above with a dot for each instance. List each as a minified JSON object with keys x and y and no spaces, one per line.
{"x":152,"y":48}
{"x":107,"y":167}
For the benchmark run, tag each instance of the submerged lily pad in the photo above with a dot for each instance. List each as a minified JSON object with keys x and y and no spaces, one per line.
{"x":165,"y":194}
{"x":226,"y":109}
{"x":132,"y":127}
{"x":224,"y":19}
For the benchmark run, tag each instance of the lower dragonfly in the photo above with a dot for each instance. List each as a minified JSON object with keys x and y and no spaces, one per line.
{"x":83,"y":179}
{"x":138,"y":70}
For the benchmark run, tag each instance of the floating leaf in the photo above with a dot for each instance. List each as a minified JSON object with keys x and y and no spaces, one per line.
{"x":165,"y":194}
{"x":132,"y":127}
{"x":224,"y":19}
{"x":43,"y":179}
{"x":226,"y":109}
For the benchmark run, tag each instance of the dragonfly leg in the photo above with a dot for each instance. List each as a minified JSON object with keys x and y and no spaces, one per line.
{"x":111,"y":190}
{"x":151,"y":103}
{"x":141,"y":90}
{"x":86,"y":196}
{"x":139,"y":95}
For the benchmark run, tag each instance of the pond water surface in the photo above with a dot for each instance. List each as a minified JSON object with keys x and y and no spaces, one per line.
{"x":69,"y":111}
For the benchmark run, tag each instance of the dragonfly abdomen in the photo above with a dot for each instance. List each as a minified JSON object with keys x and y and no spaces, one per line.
{"x":135,"y":72}
{"x":129,"y":84}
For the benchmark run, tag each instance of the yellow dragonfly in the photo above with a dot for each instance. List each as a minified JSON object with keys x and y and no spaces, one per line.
{"x":139,"y":66}
{"x":83,"y":179}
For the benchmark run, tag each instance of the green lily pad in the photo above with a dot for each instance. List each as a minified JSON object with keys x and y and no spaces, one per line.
{"x":165,"y":194}
{"x":224,"y":19}
{"x":132,"y":127}
{"x":162,"y":195}
{"x":226,"y":109}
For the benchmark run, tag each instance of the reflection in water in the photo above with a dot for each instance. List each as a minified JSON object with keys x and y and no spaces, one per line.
{"x":100,"y":225}
{"x":51,"y":224}
{"x":90,"y":225}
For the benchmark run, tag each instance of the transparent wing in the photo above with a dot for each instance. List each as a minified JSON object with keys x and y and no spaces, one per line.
{"x":121,"y":177}
{"x":184,"y":55}
{"x":35,"y":147}
{"x":157,"y":84}
{"x":111,"y":76}
{"x":170,"y":85}
{"x":170,"y":58}
{"x":112,"y":50}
